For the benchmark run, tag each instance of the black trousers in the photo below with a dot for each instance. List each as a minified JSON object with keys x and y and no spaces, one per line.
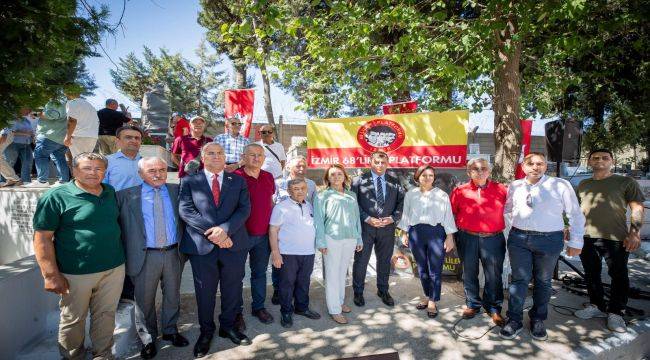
{"x":295,"y":275}
{"x":615,"y":255}
{"x":219,"y":268}
{"x":383,"y":241}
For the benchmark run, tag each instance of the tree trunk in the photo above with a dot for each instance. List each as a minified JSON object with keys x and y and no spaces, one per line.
{"x":505,"y":100}
{"x":268,"y":108}
{"x":240,"y":76}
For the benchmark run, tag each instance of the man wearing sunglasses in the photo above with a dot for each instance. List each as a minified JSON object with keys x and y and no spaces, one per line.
{"x":275,"y":159}
{"x":232,"y":143}
{"x":537,"y":205}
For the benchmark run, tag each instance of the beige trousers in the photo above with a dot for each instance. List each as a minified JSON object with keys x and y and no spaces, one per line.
{"x":7,"y":170}
{"x":106,"y":144}
{"x":82,"y":144}
{"x":99,"y":293}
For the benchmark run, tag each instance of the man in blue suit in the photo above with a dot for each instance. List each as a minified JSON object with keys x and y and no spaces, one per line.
{"x":215,"y":205}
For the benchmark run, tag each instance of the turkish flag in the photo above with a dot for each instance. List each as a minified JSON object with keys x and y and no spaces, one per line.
{"x":239,"y":104}
{"x":526,"y":131}
{"x":400,"y":107}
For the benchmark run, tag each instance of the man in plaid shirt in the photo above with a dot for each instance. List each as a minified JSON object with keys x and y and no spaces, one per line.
{"x":232,"y":143}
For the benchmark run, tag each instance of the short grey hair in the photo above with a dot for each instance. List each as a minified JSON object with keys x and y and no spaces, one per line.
{"x":294,"y":161}
{"x":147,"y":159}
{"x":205,"y":146}
{"x":471,"y":162}
{"x":252,"y":145}
{"x":111,"y":101}
{"x":89,"y":156}
{"x":294,"y":182}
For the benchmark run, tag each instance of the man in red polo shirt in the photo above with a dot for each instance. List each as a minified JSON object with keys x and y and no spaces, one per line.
{"x":261,"y":187}
{"x":478,"y":209}
{"x":187,"y":148}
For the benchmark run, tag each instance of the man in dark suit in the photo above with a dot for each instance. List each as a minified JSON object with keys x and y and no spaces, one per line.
{"x":151,"y":230}
{"x":380,"y":198}
{"x":215,"y":205}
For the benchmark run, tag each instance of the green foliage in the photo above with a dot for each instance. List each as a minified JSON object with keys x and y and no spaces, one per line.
{"x":191,"y":88}
{"x":44,"y":43}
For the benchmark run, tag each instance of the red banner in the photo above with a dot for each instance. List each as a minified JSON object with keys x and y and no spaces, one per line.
{"x":400,"y":107}
{"x":526,"y":131}
{"x":239,"y":104}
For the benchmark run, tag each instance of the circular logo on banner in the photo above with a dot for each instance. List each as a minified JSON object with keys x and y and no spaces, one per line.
{"x":380,"y":135}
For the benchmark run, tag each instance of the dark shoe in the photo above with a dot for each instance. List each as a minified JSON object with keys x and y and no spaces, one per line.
{"x":422,"y":305}
{"x":497,"y":319}
{"x":432,"y":313}
{"x":538,"y":330}
{"x":240,"y":324}
{"x":177,"y":340}
{"x":275,"y":299}
{"x":202,"y":346}
{"x":263,"y":315}
{"x":286,"y":320}
{"x":469,"y":313}
{"x":511,"y":329}
{"x":358,"y":300}
{"x":386,"y":298}
{"x":235,"y":336}
{"x":148,"y":351}
{"x":308,"y":314}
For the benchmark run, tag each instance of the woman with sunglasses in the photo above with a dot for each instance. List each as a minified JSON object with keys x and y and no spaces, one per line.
{"x":429,"y":225}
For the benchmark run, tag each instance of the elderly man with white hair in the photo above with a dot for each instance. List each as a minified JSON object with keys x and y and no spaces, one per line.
{"x":151,"y":230}
{"x":297,"y":168}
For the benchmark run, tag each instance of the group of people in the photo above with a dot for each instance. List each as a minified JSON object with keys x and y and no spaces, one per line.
{"x":56,"y":133}
{"x":120,"y":219}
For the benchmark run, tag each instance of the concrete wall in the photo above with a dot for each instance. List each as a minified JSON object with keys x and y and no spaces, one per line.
{"x":25,"y":306}
{"x":16,"y":232}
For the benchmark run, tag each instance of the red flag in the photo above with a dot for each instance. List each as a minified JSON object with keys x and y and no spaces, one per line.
{"x":239,"y":104}
{"x":526,"y":131}
{"x":400,"y":107}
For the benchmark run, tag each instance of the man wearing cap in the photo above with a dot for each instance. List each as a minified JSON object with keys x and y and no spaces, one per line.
{"x":109,"y":121}
{"x":187,"y":148}
{"x":233,"y":144}
{"x":275,"y":158}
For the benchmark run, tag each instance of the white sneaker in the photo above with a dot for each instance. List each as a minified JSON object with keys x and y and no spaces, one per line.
{"x":616,"y":323}
{"x":590,"y":311}
{"x":37,"y":184}
{"x":56,"y":184}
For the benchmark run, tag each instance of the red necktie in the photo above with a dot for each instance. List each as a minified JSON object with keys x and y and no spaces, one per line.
{"x":216,"y":192}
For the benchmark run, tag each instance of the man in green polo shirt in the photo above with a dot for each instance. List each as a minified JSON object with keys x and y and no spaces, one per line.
{"x":77,"y":245}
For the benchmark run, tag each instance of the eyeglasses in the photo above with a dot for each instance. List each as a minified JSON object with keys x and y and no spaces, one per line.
{"x":479,"y":169}
{"x":235,"y":124}
{"x":529,"y":198}
{"x":266,"y":132}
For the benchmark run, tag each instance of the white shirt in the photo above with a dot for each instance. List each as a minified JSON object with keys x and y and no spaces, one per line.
{"x":210,"y":178}
{"x":297,"y":235}
{"x":432,"y":207}
{"x":86,"y":116}
{"x":271,"y":163}
{"x":539,"y":207}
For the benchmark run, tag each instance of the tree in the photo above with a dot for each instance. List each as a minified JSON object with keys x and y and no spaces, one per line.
{"x":45,"y":43}
{"x":243,"y":31}
{"x":190,"y":88}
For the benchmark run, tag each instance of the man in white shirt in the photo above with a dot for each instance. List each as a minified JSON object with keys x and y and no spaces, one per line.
{"x":536,"y":205}
{"x":274,"y":151}
{"x":292,"y":238}
{"x":297,"y":168}
{"x":83,"y":124}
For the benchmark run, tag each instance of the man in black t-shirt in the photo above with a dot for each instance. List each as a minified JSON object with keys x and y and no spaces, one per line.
{"x":109,"y":121}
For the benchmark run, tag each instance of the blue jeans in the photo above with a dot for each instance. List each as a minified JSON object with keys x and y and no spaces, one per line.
{"x":491,"y":252}
{"x":258,"y":260}
{"x":24,"y":151}
{"x":46,"y":149}
{"x":532,"y":256}
{"x":427,"y":245}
